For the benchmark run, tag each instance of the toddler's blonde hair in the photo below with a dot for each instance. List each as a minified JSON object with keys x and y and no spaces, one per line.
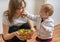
{"x":48,"y":8}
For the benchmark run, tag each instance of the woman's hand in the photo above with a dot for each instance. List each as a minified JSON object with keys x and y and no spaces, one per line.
{"x":18,"y":36}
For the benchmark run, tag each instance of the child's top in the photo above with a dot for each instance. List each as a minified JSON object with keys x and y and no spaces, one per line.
{"x":48,"y":24}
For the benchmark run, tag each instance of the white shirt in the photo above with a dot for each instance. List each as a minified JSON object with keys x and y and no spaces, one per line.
{"x":48,"y":24}
{"x":18,"y":21}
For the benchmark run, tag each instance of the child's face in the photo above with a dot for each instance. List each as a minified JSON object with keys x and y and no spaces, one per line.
{"x":43,"y":14}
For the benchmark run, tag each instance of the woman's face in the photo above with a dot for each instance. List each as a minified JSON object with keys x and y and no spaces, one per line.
{"x":21,"y":9}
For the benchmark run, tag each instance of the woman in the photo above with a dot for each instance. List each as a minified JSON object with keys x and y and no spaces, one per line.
{"x":13,"y":21}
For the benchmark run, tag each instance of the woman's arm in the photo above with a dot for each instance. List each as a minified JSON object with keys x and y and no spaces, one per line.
{"x":1,"y":39}
{"x":7,"y":35}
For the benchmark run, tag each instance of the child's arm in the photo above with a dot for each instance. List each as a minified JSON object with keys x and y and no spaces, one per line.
{"x":30,"y":16}
{"x":48,"y":26}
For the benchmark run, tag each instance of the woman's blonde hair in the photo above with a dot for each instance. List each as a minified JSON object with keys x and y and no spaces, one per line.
{"x":48,"y":8}
{"x":13,"y":6}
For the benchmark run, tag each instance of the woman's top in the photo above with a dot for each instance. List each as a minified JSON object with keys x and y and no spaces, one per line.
{"x":19,"y":23}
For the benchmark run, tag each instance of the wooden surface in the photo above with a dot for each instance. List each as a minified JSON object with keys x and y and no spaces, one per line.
{"x":56,"y":35}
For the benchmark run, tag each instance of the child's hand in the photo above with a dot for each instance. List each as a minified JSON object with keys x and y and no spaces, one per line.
{"x":24,"y":14}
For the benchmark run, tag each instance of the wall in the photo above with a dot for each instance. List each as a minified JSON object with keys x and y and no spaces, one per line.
{"x":33,"y":6}
{"x":56,"y":15}
{"x":3,"y":7}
